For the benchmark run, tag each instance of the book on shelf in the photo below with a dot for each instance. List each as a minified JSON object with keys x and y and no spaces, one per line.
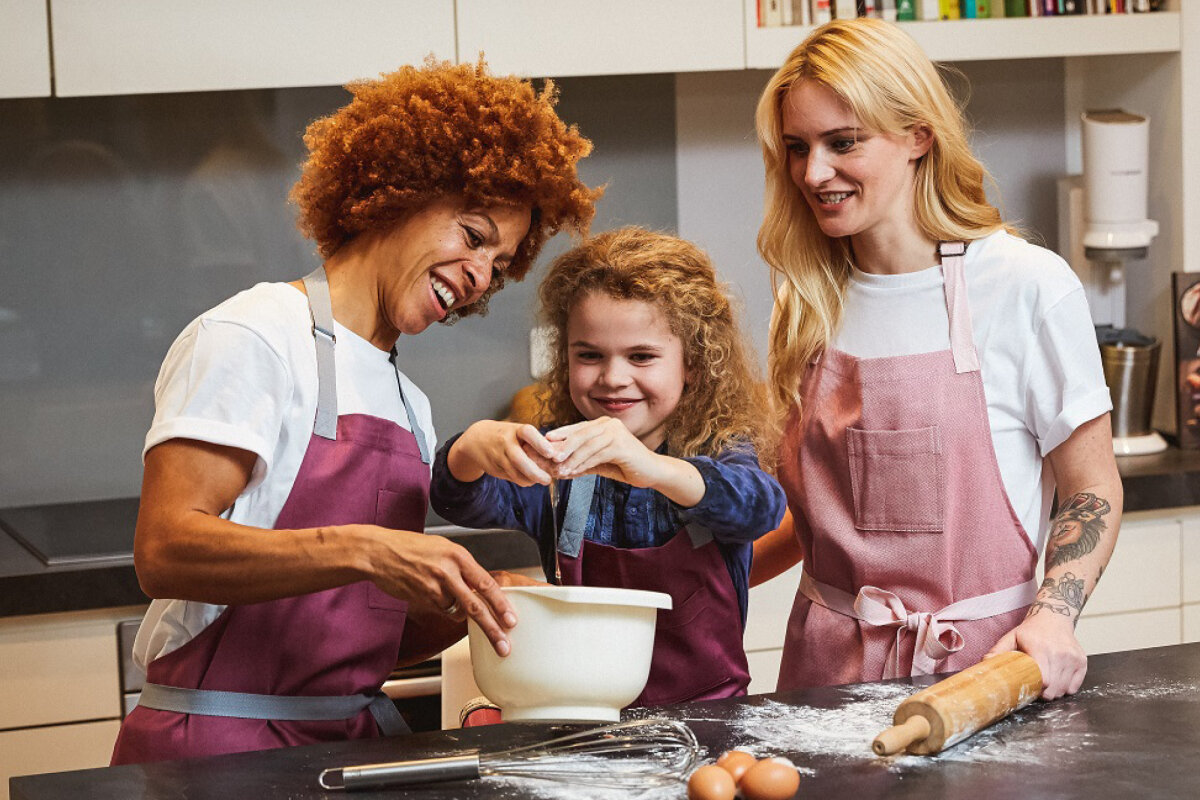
{"x":773,"y":13}
{"x":949,"y":9}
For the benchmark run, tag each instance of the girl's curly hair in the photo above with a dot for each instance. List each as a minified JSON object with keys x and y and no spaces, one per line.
{"x":422,"y":133}
{"x":725,"y":403}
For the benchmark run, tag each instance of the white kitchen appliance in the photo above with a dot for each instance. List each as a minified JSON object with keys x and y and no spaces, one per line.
{"x":1104,"y":231}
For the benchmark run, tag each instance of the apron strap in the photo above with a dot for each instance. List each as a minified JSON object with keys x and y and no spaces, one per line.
{"x":962,"y":343}
{"x":579,"y":506}
{"x":936,"y":637}
{"x":320,"y":309}
{"x":244,"y":705}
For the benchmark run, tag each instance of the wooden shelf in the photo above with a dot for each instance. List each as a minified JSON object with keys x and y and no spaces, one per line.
{"x":988,"y":39}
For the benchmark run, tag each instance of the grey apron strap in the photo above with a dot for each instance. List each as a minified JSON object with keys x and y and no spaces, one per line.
{"x":417,"y":432}
{"x":243,"y":705}
{"x":579,"y":505}
{"x":954,"y":275}
{"x":320,"y":308}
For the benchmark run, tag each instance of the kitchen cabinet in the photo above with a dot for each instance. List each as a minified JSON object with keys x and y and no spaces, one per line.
{"x":618,"y":37}
{"x":24,"y":49}
{"x":136,"y":46}
{"x":766,"y":622}
{"x":60,"y":695}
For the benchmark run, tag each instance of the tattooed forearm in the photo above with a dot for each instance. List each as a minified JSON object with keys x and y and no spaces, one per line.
{"x":1076,"y":528}
{"x":1061,"y":596}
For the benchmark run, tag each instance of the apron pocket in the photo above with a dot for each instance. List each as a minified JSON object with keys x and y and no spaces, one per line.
{"x":897,"y":479}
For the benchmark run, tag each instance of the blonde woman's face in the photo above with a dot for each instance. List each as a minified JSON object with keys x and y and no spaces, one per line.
{"x":857,"y":181}
{"x":625,"y":362}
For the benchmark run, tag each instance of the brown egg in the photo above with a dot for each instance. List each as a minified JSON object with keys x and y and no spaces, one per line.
{"x":711,"y":782}
{"x":736,"y":762}
{"x":770,"y":779}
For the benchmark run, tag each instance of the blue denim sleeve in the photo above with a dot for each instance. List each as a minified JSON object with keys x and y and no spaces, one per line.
{"x":741,"y":502}
{"x":486,"y":503}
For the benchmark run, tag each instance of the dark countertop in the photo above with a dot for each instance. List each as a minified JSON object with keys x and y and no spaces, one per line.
{"x":27,"y":586}
{"x":1133,"y":731}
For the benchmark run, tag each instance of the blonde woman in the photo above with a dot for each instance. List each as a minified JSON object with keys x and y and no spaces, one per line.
{"x":940,"y":382}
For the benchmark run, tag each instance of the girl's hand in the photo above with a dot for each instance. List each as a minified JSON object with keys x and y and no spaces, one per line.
{"x":1050,"y":640}
{"x":604,"y":446}
{"x":508,"y":450}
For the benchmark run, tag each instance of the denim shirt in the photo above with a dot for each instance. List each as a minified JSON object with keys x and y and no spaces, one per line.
{"x":741,"y":502}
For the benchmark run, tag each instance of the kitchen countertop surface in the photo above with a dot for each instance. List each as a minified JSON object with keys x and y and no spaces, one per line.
{"x":27,"y":586}
{"x":1133,"y":731}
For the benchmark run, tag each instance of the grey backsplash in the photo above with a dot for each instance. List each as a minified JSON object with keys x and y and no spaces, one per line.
{"x":122,"y":218}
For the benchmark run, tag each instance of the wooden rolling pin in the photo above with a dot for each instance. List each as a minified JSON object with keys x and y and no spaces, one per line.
{"x":951,"y":710}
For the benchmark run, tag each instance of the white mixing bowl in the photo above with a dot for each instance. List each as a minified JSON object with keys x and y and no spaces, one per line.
{"x":578,"y":652}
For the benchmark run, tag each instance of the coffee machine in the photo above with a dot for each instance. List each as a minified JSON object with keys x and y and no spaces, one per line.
{"x":1104,"y":231}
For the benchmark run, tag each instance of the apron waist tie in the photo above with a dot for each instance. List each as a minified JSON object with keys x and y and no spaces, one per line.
{"x":244,"y":705}
{"x":936,"y":637}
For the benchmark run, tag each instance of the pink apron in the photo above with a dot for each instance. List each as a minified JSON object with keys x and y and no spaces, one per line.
{"x":698,"y":653}
{"x":305,"y":669}
{"x":914,"y":560}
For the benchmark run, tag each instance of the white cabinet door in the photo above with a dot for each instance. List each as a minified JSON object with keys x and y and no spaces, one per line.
{"x":136,"y":46}
{"x":614,"y":37}
{"x":1144,"y":571}
{"x":1113,"y":633}
{"x":57,"y":748}
{"x":24,"y":49}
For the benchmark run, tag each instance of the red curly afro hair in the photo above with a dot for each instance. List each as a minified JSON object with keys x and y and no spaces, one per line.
{"x":422,"y":133}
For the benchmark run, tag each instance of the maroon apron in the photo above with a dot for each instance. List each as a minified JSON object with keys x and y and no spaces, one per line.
{"x":698,"y":653}
{"x":914,"y":560}
{"x":307,"y":669}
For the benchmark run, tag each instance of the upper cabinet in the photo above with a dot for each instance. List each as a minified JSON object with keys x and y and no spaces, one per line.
{"x":24,"y":49}
{"x":139,"y":46}
{"x":997,"y":39}
{"x":614,"y":37}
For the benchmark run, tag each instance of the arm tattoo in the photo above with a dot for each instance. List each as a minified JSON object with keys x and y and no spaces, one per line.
{"x":1060,"y":597}
{"x":1076,"y":529}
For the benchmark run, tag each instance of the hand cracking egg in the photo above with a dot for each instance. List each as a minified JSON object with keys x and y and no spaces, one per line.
{"x":711,"y":782}
{"x":770,"y":779}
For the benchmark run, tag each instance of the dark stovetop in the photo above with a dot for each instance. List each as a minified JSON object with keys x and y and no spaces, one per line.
{"x":1134,"y":731}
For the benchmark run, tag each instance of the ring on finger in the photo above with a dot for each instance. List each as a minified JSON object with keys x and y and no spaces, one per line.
{"x":452,"y":609}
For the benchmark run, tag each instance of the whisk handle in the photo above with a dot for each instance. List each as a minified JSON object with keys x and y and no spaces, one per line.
{"x":401,"y":773}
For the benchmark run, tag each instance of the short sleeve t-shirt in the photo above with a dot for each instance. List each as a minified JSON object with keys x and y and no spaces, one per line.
{"x":1038,"y":354}
{"x":244,"y":375}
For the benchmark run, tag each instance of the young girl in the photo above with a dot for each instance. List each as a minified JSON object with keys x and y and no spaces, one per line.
{"x":655,"y":419}
{"x":942,"y":379}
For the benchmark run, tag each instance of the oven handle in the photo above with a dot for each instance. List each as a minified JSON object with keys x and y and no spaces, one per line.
{"x":405,"y":688}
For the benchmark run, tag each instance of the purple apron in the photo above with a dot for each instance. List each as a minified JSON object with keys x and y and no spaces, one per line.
{"x":307,"y":669}
{"x":698,"y":653}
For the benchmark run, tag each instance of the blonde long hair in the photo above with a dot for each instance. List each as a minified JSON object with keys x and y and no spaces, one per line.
{"x":725,"y":403}
{"x":892,"y":86}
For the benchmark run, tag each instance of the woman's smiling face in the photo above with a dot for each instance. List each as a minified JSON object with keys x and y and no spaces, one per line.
{"x":856,"y":181}
{"x":443,"y":257}
{"x":625,"y":362}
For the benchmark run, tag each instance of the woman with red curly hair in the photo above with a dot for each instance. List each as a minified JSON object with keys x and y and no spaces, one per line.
{"x":287,"y":467}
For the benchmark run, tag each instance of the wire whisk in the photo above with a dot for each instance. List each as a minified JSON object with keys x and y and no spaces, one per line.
{"x":636,"y":754}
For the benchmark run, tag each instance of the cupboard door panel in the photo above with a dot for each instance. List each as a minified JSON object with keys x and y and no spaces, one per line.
{"x":616,"y":37}
{"x":764,"y":670}
{"x":1136,"y":630}
{"x":24,"y":49}
{"x":770,"y":606}
{"x":57,"y":748}
{"x":138,"y":46}
{"x":1144,"y":571}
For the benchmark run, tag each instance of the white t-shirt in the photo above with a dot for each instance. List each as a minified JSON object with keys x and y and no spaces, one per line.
{"x":245,"y":375}
{"x":1038,"y":354}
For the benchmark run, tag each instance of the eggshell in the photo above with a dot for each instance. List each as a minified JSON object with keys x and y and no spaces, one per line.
{"x":711,"y":782}
{"x":736,"y":762}
{"x":770,"y":779}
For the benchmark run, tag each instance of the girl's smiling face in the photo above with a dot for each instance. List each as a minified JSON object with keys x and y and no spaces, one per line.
{"x":858,"y":182}
{"x":625,"y":362}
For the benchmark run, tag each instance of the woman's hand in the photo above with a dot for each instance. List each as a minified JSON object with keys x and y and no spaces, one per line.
{"x":604,"y":446}
{"x":437,"y":575}
{"x":1049,"y":638}
{"x":505,"y":578}
{"x":511,"y":451}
